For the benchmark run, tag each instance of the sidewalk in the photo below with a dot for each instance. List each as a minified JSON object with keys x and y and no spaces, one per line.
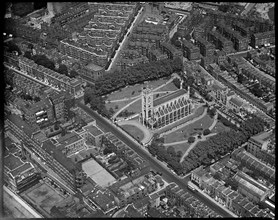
{"x":216,"y":203}
{"x":28,"y":210}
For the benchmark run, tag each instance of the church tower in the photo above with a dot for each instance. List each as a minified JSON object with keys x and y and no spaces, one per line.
{"x":147,"y":104}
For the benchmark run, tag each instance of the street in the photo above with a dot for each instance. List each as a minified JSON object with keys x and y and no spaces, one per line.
{"x":125,"y":37}
{"x":167,"y":175}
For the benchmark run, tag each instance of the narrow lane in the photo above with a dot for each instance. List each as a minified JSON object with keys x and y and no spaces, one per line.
{"x":167,"y":175}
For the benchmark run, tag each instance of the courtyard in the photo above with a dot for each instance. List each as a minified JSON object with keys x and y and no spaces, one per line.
{"x":43,"y":197}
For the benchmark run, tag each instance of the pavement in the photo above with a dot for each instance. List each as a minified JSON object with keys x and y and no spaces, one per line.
{"x":19,"y":204}
{"x":141,"y":151}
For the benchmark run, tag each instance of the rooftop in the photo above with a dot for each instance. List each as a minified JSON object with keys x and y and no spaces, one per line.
{"x":94,"y":67}
{"x":169,"y":97}
{"x":8,"y":141}
{"x":250,"y":186}
{"x":12,"y":162}
{"x":21,"y":169}
{"x":236,"y":101}
{"x":69,"y":138}
{"x":200,"y":172}
{"x":51,"y":149}
{"x":103,"y":198}
{"x":154,"y":213}
{"x":217,"y":86}
{"x":17,"y":120}
{"x":94,"y":130}
{"x":217,"y":166}
{"x":262,"y":137}
{"x":12,"y":148}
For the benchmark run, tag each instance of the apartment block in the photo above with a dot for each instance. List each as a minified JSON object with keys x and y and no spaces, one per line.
{"x":190,"y":51}
{"x":262,"y":146}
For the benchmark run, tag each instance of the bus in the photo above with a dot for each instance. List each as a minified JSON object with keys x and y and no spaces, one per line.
{"x":191,"y":186}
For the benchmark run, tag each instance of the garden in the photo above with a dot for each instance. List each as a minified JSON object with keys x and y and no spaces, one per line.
{"x":190,"y":130}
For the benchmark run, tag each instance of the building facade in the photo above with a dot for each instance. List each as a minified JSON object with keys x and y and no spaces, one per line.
{"x":70,"y":172}
{"x":262,"y":146}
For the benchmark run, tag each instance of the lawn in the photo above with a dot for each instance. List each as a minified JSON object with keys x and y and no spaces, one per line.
{"x":127,"y":93}
{"x":134,"y":131}
{"x":169,"y":87}
{"x":135,"y":107}
{"x":114,"y":104}
{"x":219,"y":127}
{"x":187,"y":131}
{"x":197,"y":113}
{"x":180,"y":147}
{"x":44,"y":197}
{"x":135,"y":90}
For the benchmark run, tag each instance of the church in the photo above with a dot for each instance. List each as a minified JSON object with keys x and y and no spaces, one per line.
{"x":165,"y":110}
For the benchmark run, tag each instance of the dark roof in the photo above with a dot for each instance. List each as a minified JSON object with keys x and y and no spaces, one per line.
{"x":94,"y":67}
{"x":12,"y":162}
{"x":12,"y":148}
{"x":28,"y":130}
{"x":8,"y":141}
{"x":169,"y":97}
{"x":95,"y":131}
{"x":236,"y":101}
{"x":154,"y":213}
{"x":21,"y":169}
{"x":50,"y":148}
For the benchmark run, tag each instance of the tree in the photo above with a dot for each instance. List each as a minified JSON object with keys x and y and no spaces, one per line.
{"x":232,"y":182}
{"x":171,"y":151}
{"x":179,"y":154}
{"x":107,"y":151}
{"x":73,"y":74}
{"x":13,"y":47}
{"x":217,"y":176}
{"x":111,"y":111}
{"x":63,"y":69}
{"x":37,"y":99}
{"x":192,"y":91}
{"x":175,"y":39}
{"x":56,"y":126}
{"x":177,"y":82}
{"x":191,"y":139}
{"x":190,"y":80}
{"x":28,"y":54}
{"x":43,"y":61}
{"x":206,"y":132}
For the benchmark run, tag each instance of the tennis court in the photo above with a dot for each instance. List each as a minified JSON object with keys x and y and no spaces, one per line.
{"x":97,"y":173}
